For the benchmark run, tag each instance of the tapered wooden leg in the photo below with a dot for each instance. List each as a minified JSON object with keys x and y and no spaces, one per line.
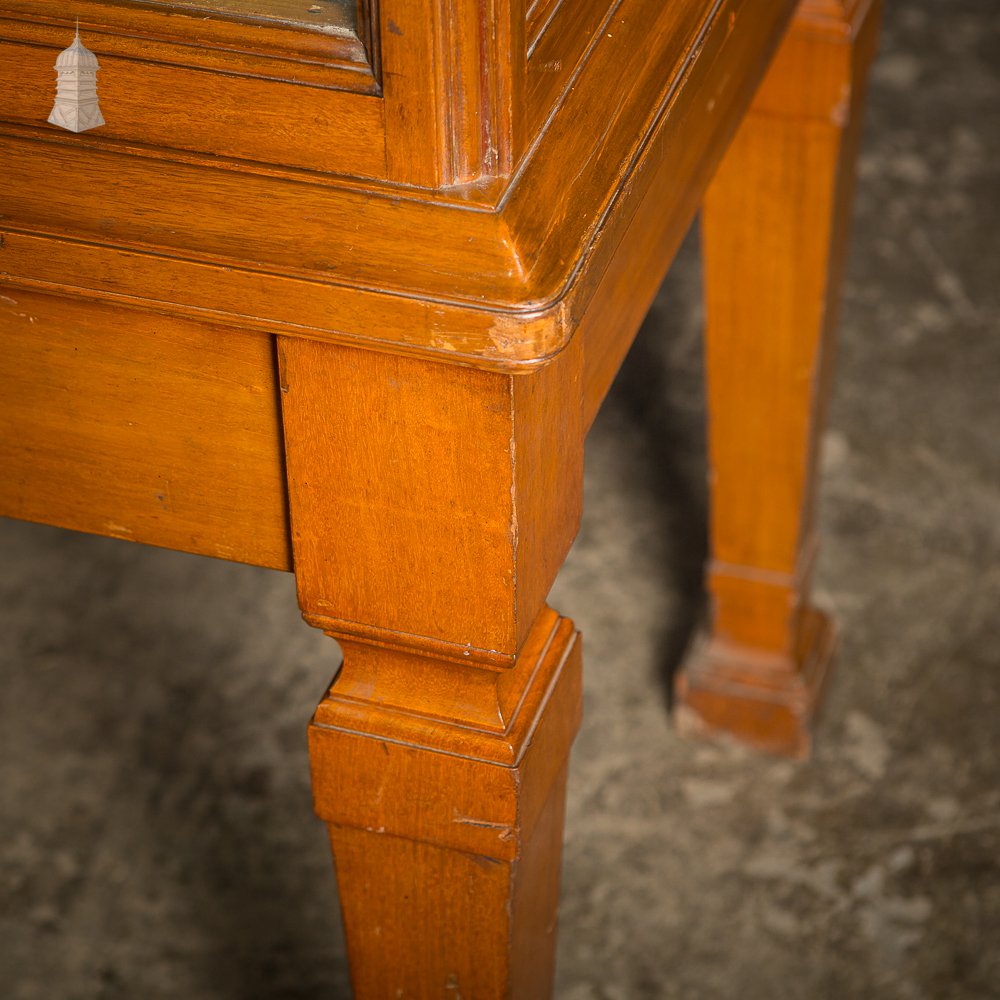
{"x":774,"y":223}
{"x":431,"y":508}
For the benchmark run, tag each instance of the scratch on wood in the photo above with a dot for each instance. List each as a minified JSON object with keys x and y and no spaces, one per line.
{"x":485,"y":861}
{"x":504,"y":829}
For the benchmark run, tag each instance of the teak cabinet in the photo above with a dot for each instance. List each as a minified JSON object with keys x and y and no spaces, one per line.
{"x":339,"y":287}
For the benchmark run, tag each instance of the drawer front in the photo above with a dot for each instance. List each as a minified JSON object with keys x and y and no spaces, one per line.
{"x":156,"y":429}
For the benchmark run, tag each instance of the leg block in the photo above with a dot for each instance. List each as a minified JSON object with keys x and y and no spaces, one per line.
{"x":447,"y":836}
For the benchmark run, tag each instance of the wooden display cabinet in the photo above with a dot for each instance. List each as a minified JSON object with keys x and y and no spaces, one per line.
{"x":338,"y":288}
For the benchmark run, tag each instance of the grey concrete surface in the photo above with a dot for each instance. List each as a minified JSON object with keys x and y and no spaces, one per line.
{"x":155,"y":831}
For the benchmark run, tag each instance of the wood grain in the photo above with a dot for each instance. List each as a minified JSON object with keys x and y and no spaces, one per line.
{"x":337,"y":17}
{"x":463,"y":472}
{"x":774,"y":224}
{"x":360,"y":299}
{"x":453,"y":79}
{"x":141,"y":427}
{"x":559,"y":37}
{"x":447,"y":840}
{"x":634,"y":252}
{"x":431,"y":508}
{"x":201,"y":41}
{"x":497,"y":282}
{"x":172,"y":107}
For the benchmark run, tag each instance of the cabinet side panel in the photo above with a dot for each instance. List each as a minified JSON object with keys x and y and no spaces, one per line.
{"x":127,"y":423}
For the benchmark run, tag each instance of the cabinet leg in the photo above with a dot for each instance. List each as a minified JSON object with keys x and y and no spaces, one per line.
{"x":431,"y":508}
{"x":775,"y":222}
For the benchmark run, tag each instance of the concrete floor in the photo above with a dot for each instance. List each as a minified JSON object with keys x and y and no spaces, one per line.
{"x":155,"y":830}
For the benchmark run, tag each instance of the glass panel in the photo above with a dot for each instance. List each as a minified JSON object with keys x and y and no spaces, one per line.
{"x":333,"y":17}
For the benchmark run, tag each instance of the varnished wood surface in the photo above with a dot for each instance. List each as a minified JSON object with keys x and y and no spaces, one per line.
{"x":673,"y":173}
{"x":559,"y":35}
{"x":767,"y":367}
{"x":447,"y":839}
{"x":466,"y":475}
{"x":434,"y":275}
{"x":243,"y":117}
{"x":188,"y":40}
{"x":332,"y":16}
{"x":775,"y":222}
{"x":133,"y":425}
{"x":426,"y":541}
{"x":421,"y":783}
{"x":498,"y":283}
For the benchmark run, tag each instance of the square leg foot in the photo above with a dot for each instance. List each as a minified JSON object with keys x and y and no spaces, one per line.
{"x":765,"y":700}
